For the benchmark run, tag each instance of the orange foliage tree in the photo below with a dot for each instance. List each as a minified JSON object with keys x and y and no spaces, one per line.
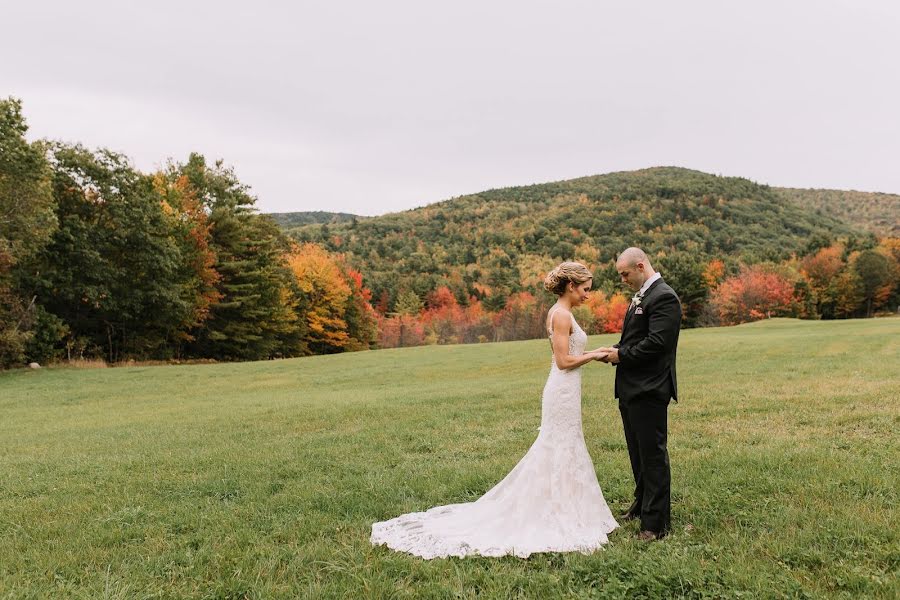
{"x":180,"y":204}
{"x":602,"y":313}
{"x":443,"y":318}
{"x":333,"y":301}
{"x":713,"y":273}
{"x":820,"y":268}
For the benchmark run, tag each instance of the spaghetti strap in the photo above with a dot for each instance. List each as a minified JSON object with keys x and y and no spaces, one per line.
{"x":550,"y":319}
{"x":549,"y":322}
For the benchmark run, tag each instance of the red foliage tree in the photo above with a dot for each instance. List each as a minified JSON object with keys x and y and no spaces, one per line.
{"x":443,"y":318}
{"x":400,"y":330}
{"x":756,"y":293}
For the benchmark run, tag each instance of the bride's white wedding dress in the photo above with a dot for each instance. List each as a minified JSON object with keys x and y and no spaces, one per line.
{"x":550,"y":502}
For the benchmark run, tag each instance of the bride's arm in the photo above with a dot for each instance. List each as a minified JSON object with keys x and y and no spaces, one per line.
{"x":560,"y":340}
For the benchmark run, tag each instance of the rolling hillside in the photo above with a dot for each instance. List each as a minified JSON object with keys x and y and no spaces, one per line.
{"x":876,"y":212}
{"x":500,"y":241}
{"x":870,"y":211}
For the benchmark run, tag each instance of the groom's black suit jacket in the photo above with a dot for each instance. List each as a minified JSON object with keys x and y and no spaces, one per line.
{"x":648,"y":345}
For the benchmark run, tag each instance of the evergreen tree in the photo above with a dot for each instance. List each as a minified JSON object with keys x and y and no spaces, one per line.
{"x":409,"y":303}
{"x":254,"y":317}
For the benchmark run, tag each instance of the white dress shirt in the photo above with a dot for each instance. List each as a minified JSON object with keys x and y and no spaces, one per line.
{"x":647,"y":284}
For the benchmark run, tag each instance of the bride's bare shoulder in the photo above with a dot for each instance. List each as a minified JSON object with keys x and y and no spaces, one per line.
{"x":559,"y":315}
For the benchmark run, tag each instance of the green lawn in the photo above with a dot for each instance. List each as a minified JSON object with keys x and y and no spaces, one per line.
{"x":261,"y":480}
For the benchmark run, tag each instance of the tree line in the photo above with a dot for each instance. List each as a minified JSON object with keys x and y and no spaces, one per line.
{"x":832,"y":282}
{"x":99,"y":260}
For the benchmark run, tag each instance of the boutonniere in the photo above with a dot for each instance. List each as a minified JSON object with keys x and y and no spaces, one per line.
{"x":636,"y":300}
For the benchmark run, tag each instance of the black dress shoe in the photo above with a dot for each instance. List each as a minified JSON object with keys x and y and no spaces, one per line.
{"x":648,"y":536}
{"x":630,"y":516}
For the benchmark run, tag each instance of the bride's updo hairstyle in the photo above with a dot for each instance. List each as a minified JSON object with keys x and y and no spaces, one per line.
{"x":565,"y":273}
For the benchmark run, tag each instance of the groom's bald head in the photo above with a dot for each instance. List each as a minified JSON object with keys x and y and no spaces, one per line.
{"x":634,"y":268}
{"x":632,"y":256}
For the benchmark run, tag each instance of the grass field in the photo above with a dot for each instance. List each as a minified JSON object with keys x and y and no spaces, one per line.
{"x":261,"y":480}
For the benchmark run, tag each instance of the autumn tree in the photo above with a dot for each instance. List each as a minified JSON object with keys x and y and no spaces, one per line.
{"x":820,"y":268}
{"x":334,"y":302}
{"x":325,"y":294}
{"x":192,"y":231}
{"x":844,"y":295}
{"x":362,"y":323}
{"x":890,"y":247}
{"x":713,"y":273}
{"x":604,"y":314}
{"x":757,"y":292}
{"x":400,"y":331}
{"x":443,"y":318}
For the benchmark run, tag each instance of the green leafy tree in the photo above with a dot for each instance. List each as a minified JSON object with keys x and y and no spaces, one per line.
{"x":876,"y":276}
{"x":26,"y":222}
{"x":685,"y":273}
{"x":112,"y":271}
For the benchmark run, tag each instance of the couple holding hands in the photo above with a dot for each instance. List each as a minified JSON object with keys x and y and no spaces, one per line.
{"x":551,"y":501}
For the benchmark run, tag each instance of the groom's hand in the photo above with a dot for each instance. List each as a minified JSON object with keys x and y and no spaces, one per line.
{"x":612,"y":356}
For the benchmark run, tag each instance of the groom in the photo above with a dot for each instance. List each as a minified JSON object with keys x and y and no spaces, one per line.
{"x":645,"y":382}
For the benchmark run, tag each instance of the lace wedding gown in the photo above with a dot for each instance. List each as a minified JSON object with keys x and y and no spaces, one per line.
{"x":550,"y":501}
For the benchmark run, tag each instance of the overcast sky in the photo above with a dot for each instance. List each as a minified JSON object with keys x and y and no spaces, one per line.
{"x":373,"y":107}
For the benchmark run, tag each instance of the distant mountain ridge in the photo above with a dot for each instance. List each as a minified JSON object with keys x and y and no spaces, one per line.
{"x":875,"y":212}
{"x":872,"y":211}
{"x":287,"y":220}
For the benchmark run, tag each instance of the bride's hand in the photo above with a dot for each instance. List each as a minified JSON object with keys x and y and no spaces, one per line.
{"x":597,"y":351}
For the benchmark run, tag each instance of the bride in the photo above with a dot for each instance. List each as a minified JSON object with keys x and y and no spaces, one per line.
{"x":550,"y":501}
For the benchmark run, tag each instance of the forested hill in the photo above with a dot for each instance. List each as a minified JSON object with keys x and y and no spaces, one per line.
{"x":870,"y":211}
{"x":501,"y":241}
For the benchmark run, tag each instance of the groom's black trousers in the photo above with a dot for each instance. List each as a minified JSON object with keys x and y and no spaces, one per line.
{"x":645,"y":421}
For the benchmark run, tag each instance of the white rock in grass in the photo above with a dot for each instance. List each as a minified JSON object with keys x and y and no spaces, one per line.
{"x":34,"y":366}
